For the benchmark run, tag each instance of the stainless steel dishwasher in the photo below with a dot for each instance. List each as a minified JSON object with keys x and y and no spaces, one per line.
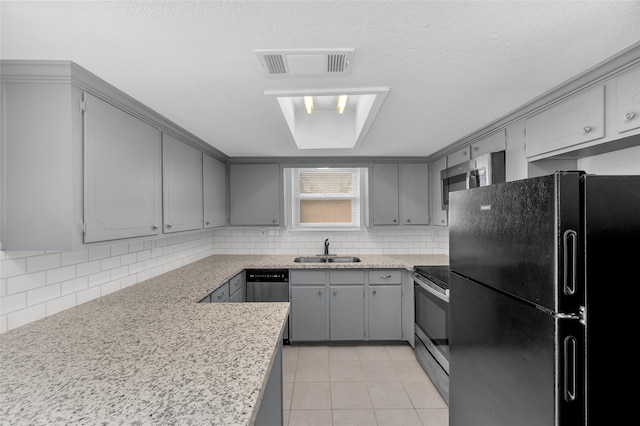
{"x":269,"y":285}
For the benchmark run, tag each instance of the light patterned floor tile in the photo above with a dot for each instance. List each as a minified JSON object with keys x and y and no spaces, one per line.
{"x":372,"y":353}
{"x":310,"y":418}
{"x":434,"y":416}
{"x":311,"y":371}
{"x":345,"y":372}
{"x":309,"y":396}
{"x":379,"y":371}
{"x":354,"y":418}
{"x":343,"y":354}
{"x":424,"y":395}
{"x":313,"y":353}
{"x":388,"y":395}
{"x":397,"y":417}
{"x":400,"y":352}
{"x":350,"y":395}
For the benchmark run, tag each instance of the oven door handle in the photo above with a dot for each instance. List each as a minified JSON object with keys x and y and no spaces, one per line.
{"x":427,"y":287}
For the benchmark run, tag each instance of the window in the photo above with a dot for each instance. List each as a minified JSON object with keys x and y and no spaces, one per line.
{"x":326,"y":198}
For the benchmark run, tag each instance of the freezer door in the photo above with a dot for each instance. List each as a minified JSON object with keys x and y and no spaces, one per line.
{"x":521,"y":237}
{"x":505,"y":369}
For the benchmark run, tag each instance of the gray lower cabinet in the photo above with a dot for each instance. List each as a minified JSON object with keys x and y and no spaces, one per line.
{"x":182,"y":185}
{"x":120,"y":150}
{"x":221,"y":294}
{"x":308,"y":313}
{"x":385,"y":312}
{"x":346,"y":307}
{"x":214,"y":188}
{"x":254,"y":194}
{"x":238,"y":288}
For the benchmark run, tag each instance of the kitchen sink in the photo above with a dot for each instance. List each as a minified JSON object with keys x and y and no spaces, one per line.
{"x":326,"y":259}
{"x":310,"y":259}
{"x":338,"y":259}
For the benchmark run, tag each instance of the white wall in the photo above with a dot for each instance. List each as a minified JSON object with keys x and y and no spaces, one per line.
{"x":34,"y":285}
{"x":621,"y":162}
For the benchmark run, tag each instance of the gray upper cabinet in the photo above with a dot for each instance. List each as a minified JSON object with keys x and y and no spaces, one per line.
{"x":120,"y":150}
{"x":460,"y":156}
{"x":214,"y":181}
{"x":182,"y":185}
{"x":628,"y":88}
{"x":254,"y":194}
{"x":415,"y":194}
{"x":438,"y":214}
{"x":385,"y":195}
{"x":493,"y":143}
{"x":569,"y":123}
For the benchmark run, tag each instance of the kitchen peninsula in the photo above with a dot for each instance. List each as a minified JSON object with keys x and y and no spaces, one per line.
{"x":150,"y":354}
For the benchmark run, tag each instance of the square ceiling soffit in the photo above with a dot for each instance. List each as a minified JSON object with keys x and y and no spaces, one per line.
{"x":324,"y":127}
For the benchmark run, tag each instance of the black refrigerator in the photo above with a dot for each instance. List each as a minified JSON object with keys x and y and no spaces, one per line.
{"x":542,"y":271}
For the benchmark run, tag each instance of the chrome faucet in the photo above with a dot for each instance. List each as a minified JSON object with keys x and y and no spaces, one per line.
{"x":326,"y":247}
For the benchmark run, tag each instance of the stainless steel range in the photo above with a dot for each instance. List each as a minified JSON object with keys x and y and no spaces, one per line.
{"x":431,"y":292}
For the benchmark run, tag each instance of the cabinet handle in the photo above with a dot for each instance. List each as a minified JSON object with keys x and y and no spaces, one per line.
{"x":335,"y":292}
{"x":320,"y":293}
{"x":220,"y":296}
{"x":408,"y":220}
{"x":208,"y":222}
{"x":273,"y":221}
{"x":475,"y":149}
{"x":169,"y":226}
{"x":154,"y":227}
{"x":628,"y":116}
{"x":464,"y":153}
{"x":384,"y":277}
{"x":374,"y":291}
{"x":395,"y":220}
{"x":586,"y":129}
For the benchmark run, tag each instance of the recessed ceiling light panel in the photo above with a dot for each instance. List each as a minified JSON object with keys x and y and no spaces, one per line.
{"x":289,"y":63}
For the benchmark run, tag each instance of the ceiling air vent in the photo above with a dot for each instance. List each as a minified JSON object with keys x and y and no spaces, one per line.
{"x":284,"y":63}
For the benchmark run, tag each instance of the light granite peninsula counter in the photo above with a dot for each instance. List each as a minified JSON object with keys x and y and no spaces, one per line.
{"x":150,"y":354}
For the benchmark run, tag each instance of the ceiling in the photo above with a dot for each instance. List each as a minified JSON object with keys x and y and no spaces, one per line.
{"x":450,"y":66}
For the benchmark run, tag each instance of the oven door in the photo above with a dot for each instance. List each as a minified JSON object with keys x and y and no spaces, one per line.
{"x":432,"y":321}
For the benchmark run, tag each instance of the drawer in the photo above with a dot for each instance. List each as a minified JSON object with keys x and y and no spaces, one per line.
{"x":307,"y":277}
{"x":236,"y":283}
{"x":459,"y":157}
{"x":206,"y":299}
{"x":385,"y":277}
{"x":221,"y":294}
{"x":346,"y":277}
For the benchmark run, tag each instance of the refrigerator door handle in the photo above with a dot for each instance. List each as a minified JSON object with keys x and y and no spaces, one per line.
{"x":569,"y":376}
{"x":570,"y":260}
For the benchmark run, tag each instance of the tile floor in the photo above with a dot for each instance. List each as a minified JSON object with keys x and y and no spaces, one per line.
{"x":358,"y":385}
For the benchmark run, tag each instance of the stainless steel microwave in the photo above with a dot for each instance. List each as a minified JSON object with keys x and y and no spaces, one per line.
{"x":484,"y":170}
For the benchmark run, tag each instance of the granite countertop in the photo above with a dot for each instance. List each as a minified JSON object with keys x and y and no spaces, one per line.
{"x":150,"y":354}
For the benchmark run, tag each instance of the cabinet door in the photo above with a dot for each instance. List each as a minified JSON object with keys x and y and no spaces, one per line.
{"x":182,"y":185}
{"x":577,"y":120}
{"x":214,"y":186}
{"x":346,"y":307}
{"x":495,"y":142}
{"x":415,"y":194}
{"x":238,"y":288}
{"x":385,"y":194}
{"x":221,"y":294}
{"x":308,"y":313}
{"x":459,"y":156}
{"x":123,"y":174}
{"x":629,"y":101}
{"x":438,"y":214}
{"x":385,"y":312}
{"x":254,"y":194}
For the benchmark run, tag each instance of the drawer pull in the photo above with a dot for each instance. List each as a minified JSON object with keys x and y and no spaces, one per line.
{"x":628,"y":116}
{"x":586,"y":129}
{"x":384,"y":277}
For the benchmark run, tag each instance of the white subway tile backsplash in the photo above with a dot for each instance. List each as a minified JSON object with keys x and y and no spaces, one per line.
{"x":87,"y":268}
{"x":109,"y":287}
{"x":61,"y":274}
{"x":25,"y":316}
{"x":73,"y":257}
{"x":120,"y":272}
{"x":12,"y":267}
{"x":129,"y":258}
{"x":118,"y":249}
{"x":3,"y":287}
{"x":88,"y":294}
{"x":101,"y":252}
{"x":44,"y":262}
{"x":109,"y":263}
{"x":60,"y":304}
{"x":73,"y":286}
{"x":13,"y":302}
{"x":43,"y":294}
{"x":99,"y":278}
{"x":26,"y":282}
{"x":136,"y":246}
